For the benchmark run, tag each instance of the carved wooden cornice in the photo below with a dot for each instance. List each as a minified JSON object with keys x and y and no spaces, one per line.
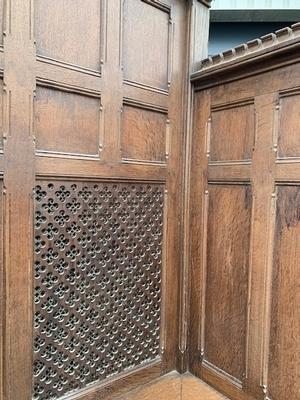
{"x":263,"y":49}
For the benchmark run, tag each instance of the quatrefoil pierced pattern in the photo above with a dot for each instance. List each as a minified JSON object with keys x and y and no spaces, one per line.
{"x":97,"y":274}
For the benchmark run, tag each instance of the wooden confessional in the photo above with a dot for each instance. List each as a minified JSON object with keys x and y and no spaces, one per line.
{"x":149,"y":205}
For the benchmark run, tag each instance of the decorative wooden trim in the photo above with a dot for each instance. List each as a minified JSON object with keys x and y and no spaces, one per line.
{"x":62,"y":64}
{"x":224,"y":375}
{"x":117,"y":385}
{"x":267,"y":295}
{"x":206,"y":3}
{"x":163,"y":308}
{"x":144,"y":106}
{"x":56,"y":85}
{"x":201,"y":333}
{"x":103,"y":33}
{"x":146,"y":87}
{"x":233,"y":104}
{"x":261,"y":55}
{"x":158,"y":4}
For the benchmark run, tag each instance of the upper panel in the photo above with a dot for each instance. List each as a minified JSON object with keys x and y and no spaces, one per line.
{"x":289,"y":130}
{"x":67,"y":122}
{"x":232,"y":132}
{"x":69,"y":31}
{"x":146,"y":51}
{"x":143,"y":136}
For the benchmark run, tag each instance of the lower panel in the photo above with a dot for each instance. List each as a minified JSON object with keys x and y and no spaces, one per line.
{"x":98,"y":262}
{"x":284,"y":362}
{"x":228,"y":239}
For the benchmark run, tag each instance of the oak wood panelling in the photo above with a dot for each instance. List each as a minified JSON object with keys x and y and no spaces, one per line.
{"x":64,"y":28}
{"x":228,"y":238}
{"x":76,"y":63}
{"x":144,"y":20}
{"x":288,"y":132}
{"x":3,"y":110}
{"x":143,"y":134}
{"x":232,"y":132}
{"x":284,"y":372}
{"x":67,"y":122}
{"x":266,"y":158}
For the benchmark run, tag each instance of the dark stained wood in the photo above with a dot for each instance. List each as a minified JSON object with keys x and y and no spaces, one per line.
{"x":270,"y":341}
{"x":66,"y":117}
{"x":143,"y":136}
{"x":146,"y":22}
{"x":228,"y":237}
{"x":63,"y":29}
{"x":66,"y":122}
{"x":288,"y":132}
{"x":284,"y":374}
{"x":232,"y":132}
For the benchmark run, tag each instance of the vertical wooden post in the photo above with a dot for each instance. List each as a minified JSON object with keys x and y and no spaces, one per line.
{"x":19,"y":84}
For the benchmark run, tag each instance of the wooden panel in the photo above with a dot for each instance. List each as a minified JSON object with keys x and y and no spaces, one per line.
{"x":289,"y":130}
{"x":64,"y":28}
{"x":284,"y":372}
{"x":146,"y":22}
{"x":228,"y":236}
{"x":232,"y":133}
{"x":66,"y":122}
{"x":97,"y":270}
{"x":1,"y":113}
{"x":143,"y":134}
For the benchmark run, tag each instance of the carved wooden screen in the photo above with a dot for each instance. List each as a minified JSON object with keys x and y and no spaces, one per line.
{"x":245,"y":334}
{"x":92,"y":118}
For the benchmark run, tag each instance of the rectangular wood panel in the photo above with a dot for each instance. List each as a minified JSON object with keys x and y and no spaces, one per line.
{"x":66,"y":122}
{"x":64,"y":28}
{"x":146,"y":22}
{"x":143,"y":136}
{"x":284,"y":371}
{"x":289,"y":130}
{"x":232,"y":133}
{"x":228,"y":238}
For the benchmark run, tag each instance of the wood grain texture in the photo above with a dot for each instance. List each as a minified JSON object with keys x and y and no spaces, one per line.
{"x":228,"y":233}
{"x":63,"y":29}
{"x":284,"y":373}
{"x":288,"y":134}
{"x":69,"y":133}
{"x":194,"y":389}
{"x":66,"y":122}
{"x":143,"y":135}
{"x":174,"y":387}
{"x":232,"y":133}
{"x":145,"y":22}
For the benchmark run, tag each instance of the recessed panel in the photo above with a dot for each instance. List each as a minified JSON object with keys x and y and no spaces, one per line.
{"x":97,"y":273}
{"x":143,"y":135}
{"x":69,"y":31}
{"x":289,"y":129}
{"x":66,"y":122}
{"x":228,"y":238}
{"x":232,"y":133}
{"x":146,"y":43}
{"x":284,"y":372}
